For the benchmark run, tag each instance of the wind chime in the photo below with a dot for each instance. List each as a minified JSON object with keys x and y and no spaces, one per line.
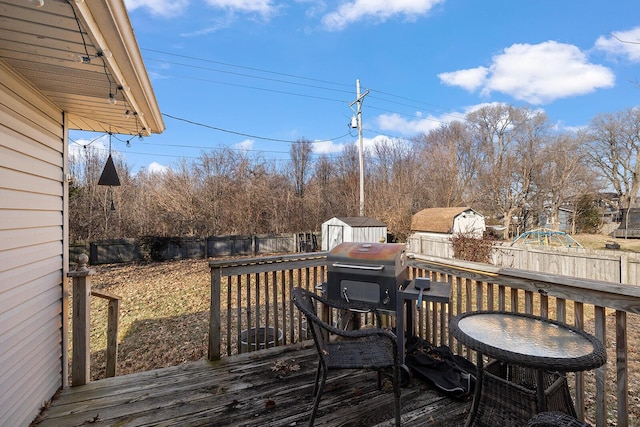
{"x":109,"y":175}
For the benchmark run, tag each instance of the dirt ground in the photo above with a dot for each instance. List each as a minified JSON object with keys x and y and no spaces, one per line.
{"x":164,"y":318}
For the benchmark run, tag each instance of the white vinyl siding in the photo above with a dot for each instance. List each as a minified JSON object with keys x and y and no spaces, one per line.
{"x":32,"y":230}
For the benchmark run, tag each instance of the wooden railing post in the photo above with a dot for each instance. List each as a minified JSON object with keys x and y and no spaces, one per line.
{"x":81,"y":354}
{"x":214,"y":315}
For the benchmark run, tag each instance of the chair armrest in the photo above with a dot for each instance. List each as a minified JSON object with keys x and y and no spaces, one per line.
{"x":358,"y":333}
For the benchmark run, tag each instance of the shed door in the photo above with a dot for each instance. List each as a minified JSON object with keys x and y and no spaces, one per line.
{"x":336,"y":236}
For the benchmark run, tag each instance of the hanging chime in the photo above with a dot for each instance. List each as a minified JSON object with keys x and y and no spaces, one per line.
{"x":109,"y":175}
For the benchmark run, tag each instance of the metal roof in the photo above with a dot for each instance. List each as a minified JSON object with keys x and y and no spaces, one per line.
{"x":361,"y":221}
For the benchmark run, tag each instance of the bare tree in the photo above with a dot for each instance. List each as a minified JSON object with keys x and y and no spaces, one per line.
{"x":323,"y":196}
{"x":508,"y":141}
{"x":394,"y":172}
{"x":300,"y":170}
{"x":564,"y":174}
{"x":347,"y":185}
{"x":614,"y":141}
{"x":449,"y":159}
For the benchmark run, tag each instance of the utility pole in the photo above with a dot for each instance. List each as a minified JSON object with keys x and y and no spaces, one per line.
{"x":359,"y":98}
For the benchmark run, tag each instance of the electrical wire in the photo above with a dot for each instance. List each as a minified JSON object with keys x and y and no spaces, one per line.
{"x":248,"y":75}
{"x":244,"y":67}
{"x":264,"y":138}
{"x":86,"y":50}
{"x":434,"y":108}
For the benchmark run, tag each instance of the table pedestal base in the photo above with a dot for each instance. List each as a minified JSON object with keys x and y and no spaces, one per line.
{"x":509,"y":396}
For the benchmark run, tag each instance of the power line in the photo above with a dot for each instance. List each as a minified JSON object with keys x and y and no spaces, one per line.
{"x":155,"y":154}
{"x":247,"y":75}
{"x":439,"y":109}
{"x":434,"y":107}
{"x":264,"y":138}
{"x":254,"y":87}
{"x":245,"y":67}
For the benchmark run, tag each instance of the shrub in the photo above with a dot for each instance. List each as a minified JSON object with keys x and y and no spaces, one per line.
{"x":469,"y":248}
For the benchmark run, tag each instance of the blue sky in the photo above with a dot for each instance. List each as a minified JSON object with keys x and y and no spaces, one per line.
{"x":255,"y":74}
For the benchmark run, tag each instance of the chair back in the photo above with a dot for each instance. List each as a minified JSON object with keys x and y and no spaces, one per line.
{"x":305,"y":301}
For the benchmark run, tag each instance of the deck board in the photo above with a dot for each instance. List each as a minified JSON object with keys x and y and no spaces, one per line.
{"x":244,"y":390}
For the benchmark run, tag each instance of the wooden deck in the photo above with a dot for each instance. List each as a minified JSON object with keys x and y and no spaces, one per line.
{"x":252,"y":389}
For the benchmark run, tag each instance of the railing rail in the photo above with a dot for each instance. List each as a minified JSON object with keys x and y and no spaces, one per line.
{"x":255,"y":293}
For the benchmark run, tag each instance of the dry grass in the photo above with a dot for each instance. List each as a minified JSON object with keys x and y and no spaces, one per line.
{"x":598,"y":241}
{"x":164,"y":320}
{"x":164,"y":314}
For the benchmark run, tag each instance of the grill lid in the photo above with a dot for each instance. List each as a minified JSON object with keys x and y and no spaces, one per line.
{"x":378,"y":254}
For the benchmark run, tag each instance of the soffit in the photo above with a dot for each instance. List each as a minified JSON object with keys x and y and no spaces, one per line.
{"x":43,"y":45}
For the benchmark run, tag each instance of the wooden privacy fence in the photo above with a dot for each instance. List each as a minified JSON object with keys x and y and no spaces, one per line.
{"x":255,"y":293}
{"x":171,"y":248}
{"x":608,"y":265}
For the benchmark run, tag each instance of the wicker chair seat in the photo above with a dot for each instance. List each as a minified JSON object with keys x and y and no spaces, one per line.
{"x":555,"y":419}
{"x":359,"y":353}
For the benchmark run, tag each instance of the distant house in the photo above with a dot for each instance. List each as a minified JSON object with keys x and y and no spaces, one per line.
{"x":565,"y":219}
{"x":352,"y":229}
{"x":630,"y":224}
{"x":448,"y":221}
{"x":59,"y":65}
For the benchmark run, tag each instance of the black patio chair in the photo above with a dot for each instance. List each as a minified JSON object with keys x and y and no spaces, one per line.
{"x":555,"y":419}
{"x":372,"y":348}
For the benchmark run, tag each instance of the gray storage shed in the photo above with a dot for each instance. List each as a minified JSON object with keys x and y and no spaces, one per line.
{"x":352,"y":229}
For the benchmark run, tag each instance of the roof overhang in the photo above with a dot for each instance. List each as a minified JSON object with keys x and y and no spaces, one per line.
{"x":45,"y":46}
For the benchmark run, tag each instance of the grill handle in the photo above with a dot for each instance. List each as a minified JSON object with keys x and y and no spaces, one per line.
{"x":359,"y":267}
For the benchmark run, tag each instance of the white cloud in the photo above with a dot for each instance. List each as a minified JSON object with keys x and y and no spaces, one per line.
{"x":315,"y":7}
{"x":369,"y":143}
{"x":217,"y":24}
{"x":247,"y":144}
{"x":394,"y":123}
{"x":381,"y":10}
{"x":326,"y":147}
{"x":166,"y":8}
{"x":169,"y":8}
{"x":265,"y":8}
{"x":537,"y":74}
{"x":621,"y":43}
{"x":157,"y":168}
{"x":398,"y":124}
{"x":470,"y":79}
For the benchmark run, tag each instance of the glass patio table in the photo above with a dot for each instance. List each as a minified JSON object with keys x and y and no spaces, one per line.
{"x":521,"y":343}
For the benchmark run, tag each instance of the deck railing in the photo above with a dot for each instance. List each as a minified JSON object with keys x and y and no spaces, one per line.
{"x":252,"y":295}
{"x":81,"y":320}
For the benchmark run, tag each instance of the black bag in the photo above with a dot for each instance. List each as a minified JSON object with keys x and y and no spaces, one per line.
{"x":450,"y":373}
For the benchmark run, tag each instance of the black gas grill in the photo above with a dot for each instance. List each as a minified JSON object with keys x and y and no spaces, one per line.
{"x":367,"y":272}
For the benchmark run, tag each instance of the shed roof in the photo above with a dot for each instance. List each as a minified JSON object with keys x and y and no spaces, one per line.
{"x":361,"y":221}
{"x":439,"y":220}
